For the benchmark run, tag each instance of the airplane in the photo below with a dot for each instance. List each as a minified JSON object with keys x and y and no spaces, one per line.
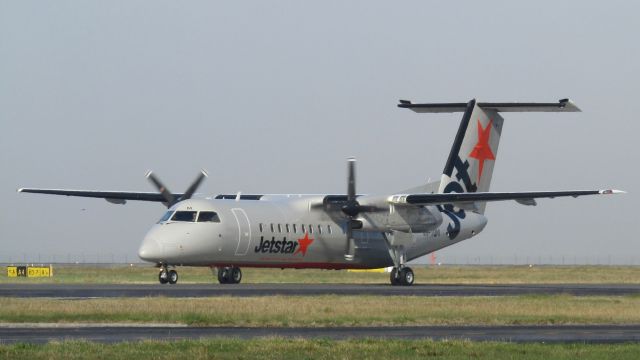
{"x":337,"y":231}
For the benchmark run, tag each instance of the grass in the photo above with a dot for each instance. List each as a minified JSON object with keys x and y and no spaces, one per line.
{"x":278,"y":348}
{"x":424,"y":274}
{"x":329,"y":310}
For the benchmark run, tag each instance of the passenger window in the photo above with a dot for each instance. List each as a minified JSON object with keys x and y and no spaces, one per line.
{"x":279,"y":228}
{"x":166,"y":216}
{"x":310,"y":229}
{"x":286,"y":226}
{"x":303,"y":229}
{"x":208,"y":216}
{"x":295,"y":230}
{"x":329,"y":229}
{"x":271,"y":225}
{"x":188,"y":216}
{"x":319,"y":229}
{"x":260,"y":226}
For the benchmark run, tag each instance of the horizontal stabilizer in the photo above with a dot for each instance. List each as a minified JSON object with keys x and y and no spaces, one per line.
{"x":525,"y":198}
{"x":564,"y":105}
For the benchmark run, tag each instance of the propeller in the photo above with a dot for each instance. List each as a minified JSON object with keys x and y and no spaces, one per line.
{"x":352,"y":208}
{"x":170,"y":198}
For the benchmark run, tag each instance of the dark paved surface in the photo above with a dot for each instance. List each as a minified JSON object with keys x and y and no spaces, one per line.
{"x":243,"y":290}
{"x":583,"y":333}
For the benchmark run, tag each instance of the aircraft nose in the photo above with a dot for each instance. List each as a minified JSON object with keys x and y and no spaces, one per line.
{"x":150,"y":250}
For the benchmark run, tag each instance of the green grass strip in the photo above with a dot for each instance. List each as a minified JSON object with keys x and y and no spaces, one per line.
{"x":137,"y":274}
{"x":329,"y":310}
{"x":278,"y":348}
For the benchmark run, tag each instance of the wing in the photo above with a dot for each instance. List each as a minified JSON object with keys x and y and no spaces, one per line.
{"x":115,"y":197}
{"x":525,"y":198}
{"x":120,"y":197}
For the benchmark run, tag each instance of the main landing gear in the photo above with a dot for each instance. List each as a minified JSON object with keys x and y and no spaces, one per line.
{"x":401,"y":276}
{"x":167,"y":276}
{"x":229,"y":275}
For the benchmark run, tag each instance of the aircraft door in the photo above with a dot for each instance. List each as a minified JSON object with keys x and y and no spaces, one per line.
{"x":244,"y":231}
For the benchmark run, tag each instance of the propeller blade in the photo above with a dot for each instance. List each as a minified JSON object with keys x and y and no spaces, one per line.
{"x":351,"y":208}
{"x":350,"y":248}
{"x":166,"y":194}
{"x":194,"y":186}
{"x":351,"y":187}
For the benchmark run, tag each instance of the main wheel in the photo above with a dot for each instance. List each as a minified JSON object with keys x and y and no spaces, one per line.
{"x":224,"y":275}
{"x":163,"y":277}
{"x":236,"y":275}
{"x":173,"y":277}
{"x":406,"y":276}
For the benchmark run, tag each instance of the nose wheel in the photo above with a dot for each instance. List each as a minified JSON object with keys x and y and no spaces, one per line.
{"x":167,"y":276}
{"x":229,"y":275}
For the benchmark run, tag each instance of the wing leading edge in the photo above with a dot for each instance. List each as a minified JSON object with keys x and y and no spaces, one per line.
{"x":525,"y":198}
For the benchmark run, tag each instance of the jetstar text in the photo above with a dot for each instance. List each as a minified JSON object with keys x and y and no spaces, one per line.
{"x":276,"y":246}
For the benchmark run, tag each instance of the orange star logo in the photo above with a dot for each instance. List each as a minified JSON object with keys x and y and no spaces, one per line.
{"x":482,"y":150}
{"x":304,"y":244}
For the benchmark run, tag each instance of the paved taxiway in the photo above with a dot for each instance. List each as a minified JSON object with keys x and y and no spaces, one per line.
{"x":245,"y":290}
{"x":552,"y":333}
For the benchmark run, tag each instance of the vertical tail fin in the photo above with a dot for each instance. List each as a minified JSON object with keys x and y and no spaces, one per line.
{"x":469,"y":167}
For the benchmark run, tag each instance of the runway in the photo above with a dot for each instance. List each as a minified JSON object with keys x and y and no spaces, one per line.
{"x":552,"y":333}
{"x":247,"y":290}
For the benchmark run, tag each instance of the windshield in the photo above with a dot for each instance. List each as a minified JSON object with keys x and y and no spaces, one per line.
{"x":189,"y":216}
{"x":166,"y":216}
{"x":208,"y":216}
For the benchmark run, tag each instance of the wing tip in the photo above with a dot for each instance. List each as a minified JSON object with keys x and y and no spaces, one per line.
{"x":568,"y":105}
{"x":611,"y":191}
{"x":20,"y":190}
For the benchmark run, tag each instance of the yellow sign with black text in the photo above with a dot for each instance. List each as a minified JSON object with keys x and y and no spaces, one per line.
{"x":30,"y":271}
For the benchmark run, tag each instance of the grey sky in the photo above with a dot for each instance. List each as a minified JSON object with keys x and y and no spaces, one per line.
{"x":272,"y":97}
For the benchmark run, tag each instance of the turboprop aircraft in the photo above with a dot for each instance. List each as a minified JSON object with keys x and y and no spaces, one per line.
{"x":337,"y":231}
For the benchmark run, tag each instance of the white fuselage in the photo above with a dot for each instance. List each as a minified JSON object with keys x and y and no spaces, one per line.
{"x":287,"y":231}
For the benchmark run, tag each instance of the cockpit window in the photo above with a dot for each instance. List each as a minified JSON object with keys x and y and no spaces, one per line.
{"x":166,"y":216}
{"x":208,"y":216}
{"x":184,"y":216}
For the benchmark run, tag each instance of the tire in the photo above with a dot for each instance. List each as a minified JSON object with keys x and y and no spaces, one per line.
{"x":406,"y":276}
{"x":173,"y":277}
{"x":236,"y":275}
{"x":223,"y":275}
{"x":163,"y":277}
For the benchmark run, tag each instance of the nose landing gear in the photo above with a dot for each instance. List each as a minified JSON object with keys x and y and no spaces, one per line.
{"x":229,"y":275}
{"x":167,"y":276}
